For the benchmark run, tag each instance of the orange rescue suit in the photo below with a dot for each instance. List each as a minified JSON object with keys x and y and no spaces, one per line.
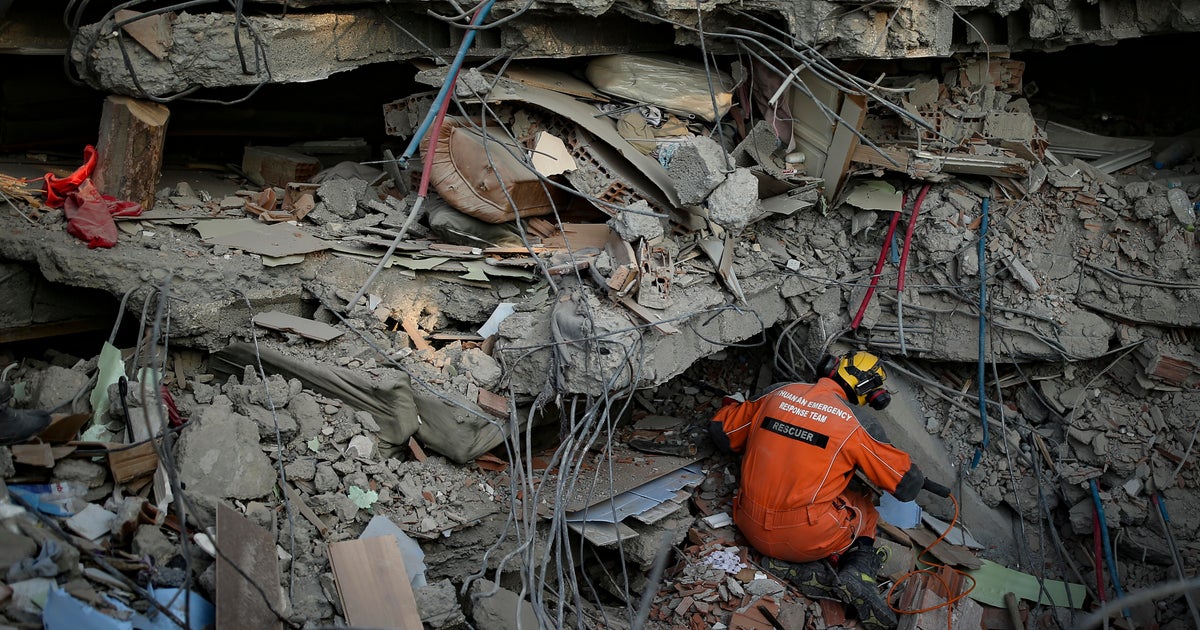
{"x":801,"y":444}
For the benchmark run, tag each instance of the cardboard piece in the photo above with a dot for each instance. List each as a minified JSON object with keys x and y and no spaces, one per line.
{"x":875,"y":195}
{"x":153,"y":32}
{"x":550,"y":155}
{"x":992,"y":581}
{"x":64,"y":427}
{"x":278,"y":240}
{"x":33,"y":455}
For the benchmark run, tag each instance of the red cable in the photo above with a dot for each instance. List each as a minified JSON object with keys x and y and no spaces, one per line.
{"x":436,"y":132}
{"x":887,"y":245}
{"x":912,"y":223}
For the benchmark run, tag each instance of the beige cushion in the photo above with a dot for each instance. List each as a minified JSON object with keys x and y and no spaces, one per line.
{"x":470,"y":178}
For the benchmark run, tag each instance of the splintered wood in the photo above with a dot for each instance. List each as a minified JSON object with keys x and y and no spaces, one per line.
{"x":17,"y":189}
{"x":373,"y":584}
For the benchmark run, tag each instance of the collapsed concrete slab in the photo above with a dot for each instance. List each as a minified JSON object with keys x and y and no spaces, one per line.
{"x":201,"y":50}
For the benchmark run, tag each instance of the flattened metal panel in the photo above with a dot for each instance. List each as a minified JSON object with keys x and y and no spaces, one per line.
{"x":640,"y":499}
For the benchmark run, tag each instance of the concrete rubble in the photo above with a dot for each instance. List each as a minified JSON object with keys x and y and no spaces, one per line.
{"x":315,"y":355}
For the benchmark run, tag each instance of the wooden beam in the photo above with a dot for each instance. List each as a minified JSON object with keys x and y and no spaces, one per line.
{"x":373,"y":584}
{"x":844,"y":143}
{"x":54,"y":329}
{"x":130,"y":149}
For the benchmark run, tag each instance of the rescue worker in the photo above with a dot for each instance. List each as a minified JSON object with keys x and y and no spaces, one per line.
{"x":800,"y":445}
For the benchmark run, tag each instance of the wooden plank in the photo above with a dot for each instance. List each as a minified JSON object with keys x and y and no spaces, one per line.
{"x":63,"y":427}
{"x":845,"y":141}
{"x":865,"y":154}
{"x":305,"y":511}
{"x":129,"y":463}
{"x":33,"y":455}
{"x":579,"y":236}
{"x":952,"y":555}
{"x":130,"y":149}
{"x":248,"y":547}
{"x":414,"y":333}
{"x":373,"y":584}
{"x":54,"y":329}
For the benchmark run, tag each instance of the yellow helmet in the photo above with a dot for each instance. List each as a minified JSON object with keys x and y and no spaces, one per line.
{"x":861,"y":375}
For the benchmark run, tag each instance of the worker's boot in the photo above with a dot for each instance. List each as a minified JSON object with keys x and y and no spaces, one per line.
{"x":814,"y":579}
{"x":857,"y":572}
{"x":18,"y":425}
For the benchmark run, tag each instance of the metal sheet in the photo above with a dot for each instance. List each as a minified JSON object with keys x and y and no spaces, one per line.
{"x":641,"y":498}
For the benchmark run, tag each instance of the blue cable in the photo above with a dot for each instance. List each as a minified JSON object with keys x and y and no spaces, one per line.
{"x":442,"y":94}
{"x":1108,"y":557}
{"x":983,"y":228}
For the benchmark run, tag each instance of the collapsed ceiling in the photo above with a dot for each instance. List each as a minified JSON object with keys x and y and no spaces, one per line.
{"x":599,"y":249}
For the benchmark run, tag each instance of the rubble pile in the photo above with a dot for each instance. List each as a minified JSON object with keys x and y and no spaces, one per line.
{"x":510,"y":372}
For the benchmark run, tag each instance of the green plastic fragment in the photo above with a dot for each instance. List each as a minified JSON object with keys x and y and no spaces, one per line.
{"x":363,"y":500}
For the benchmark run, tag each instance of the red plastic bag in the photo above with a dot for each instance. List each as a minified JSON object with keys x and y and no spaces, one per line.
{"x":58,"y":188}
{"x":90,"y":215}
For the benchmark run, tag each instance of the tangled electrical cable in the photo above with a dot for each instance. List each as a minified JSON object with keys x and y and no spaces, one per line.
{"x":110,"y":23}
{"x":933,"y":570}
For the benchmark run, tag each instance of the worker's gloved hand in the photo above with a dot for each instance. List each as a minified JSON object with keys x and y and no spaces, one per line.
{"x":736,"y":397}
{"x":936,"y":488}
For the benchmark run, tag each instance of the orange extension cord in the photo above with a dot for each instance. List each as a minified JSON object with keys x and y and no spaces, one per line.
{"x":932,"y":570}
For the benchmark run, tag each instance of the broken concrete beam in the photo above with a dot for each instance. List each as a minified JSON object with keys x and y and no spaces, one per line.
{"x":130,"y":149}
{"x":220,"y":458}
{"x":438,"y":605}
{"x":697,"y":168}
{"x":1014,"y":126}
{"x":637,"y":223}
{"x":278,"y":166}
{"x":735,"y":202}
{"x":499,"y":608}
